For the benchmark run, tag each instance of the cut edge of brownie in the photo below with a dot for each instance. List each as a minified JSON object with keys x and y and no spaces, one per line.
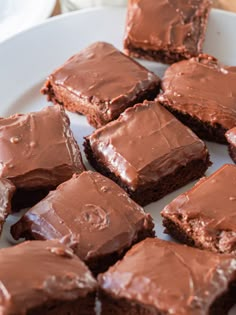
{"x":96,"y":118}
{"x":204,"y":130}
{"x":192,"y":236}
{"x":154,"y":191}
{"x":232,"y":152}
{"x":116,"y":306}
{"x":96,"y":264}
{"x":85,"y":305}
{"x":171,"y":56}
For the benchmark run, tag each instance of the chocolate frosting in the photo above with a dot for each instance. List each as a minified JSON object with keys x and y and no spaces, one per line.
{"x":202,"y":88}
{"x":91,"y":213}
{"x":38,"y":149}
{"x":7,"y":190}
{"x":102,"y":75}
{"x":35,"y":273}
{"x":210,"y":207}
{"x":165,"y":24}
{"x":174,"y":279}
{"x":148,"y":128}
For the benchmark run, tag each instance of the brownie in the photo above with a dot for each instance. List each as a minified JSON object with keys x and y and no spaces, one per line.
{"x":91,"y":214}
{"x":7,"y":190}
{"x":100,"y":82}
{"x":157,"y":277}
{"x":201,"y":93}
{"x":231,"y":139}
{"x":205,"y":215}
{"x":37,"y":153}
{"x":148,"y":152}
{"x":166,"y":30}
{"x":45,"y":278}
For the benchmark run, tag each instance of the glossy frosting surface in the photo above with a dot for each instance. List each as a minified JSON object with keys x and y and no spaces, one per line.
{"x":90,"y":212}
{"x":146,"y":128}
{"x":37,"y":272}
{"x":231,"y":136}
{"x":165,"y":24}
{"x":202,"y":88}
{"x":172,"y":278}
{"x":102,"y":74}
{"x":38,"y":149}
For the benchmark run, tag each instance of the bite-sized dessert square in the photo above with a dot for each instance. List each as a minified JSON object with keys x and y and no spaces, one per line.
{"x":166,"y":30}
{"x":91,"y":214}
{"x":7,"y":190}
{"x":100,"y":82}
{"x":205,"y":216}
{"x":45,"y":278}
{"x":162,"y":278}
{"x":231,"y":139}
{"x":201,"y":93}
{"x":148,"y":152}
{"x":37,"y":153}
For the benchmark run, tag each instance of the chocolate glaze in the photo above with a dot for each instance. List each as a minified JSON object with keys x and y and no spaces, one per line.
{"x":209,"y":210}
{"x":148,"y":128}
{"x":91,"y":213}
{"x":165,"y":25}
{"x":202,"y":88}
{"x":103,"y":76}
{"x":35,"y":273}
{"x":7,"y":190}
{"x":177,"y":280}
{"x":38,"y":149}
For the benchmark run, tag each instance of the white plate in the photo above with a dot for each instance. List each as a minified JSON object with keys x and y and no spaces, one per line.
{"x":17,"y":15}
{"x":27,"y":58}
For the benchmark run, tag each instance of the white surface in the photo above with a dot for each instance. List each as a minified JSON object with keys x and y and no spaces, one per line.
{"x":71,"y":5}
{"x":21,"y":78}
{"x":17,"y":15}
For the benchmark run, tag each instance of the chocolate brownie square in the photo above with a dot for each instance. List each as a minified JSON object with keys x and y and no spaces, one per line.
{"x":166,"y":30}
{"x":148,"y":152}
{"x":45,"y":278}
{"x":205,"y":215}
{"x":161,"y":278}
{"x":7,"y":190}
{"x":91,"y":214}
{"x":201,"y":93}
{"x":231,"y":138}
{"x":100,"y":82}
{"x":37,"y":153}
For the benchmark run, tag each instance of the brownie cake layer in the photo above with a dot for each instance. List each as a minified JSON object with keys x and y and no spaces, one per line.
{"x":100,"y":82}
{"x":231,"y":139}
{"x":201,"y":93}
{"x":91,"y":214}
{"x":205,"y":216}
{"x":38,"y":152}
{"x":165,"y":31}
{"x":161,"y":278}
{"x":148,"y":152}
{"x":7,"y":190}
{"x":45,"y":278}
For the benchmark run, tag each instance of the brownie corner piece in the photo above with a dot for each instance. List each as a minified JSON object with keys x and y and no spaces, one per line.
{"x":38,"y":152}
{"x":45,"y":278}
{"x":89,"y":83}
{"x":204,"y":216}
{"x":200,"y":93}
{"x":166,"y":31}
{"x":159,"y":277}
{"x":148,"y":152}
{"x":91,"y":214}
{"x":231,"y":139}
